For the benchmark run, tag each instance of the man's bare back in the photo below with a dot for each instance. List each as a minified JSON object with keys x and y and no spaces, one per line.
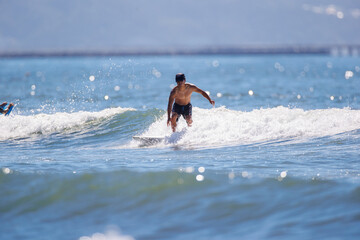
{"x":181,"y":94}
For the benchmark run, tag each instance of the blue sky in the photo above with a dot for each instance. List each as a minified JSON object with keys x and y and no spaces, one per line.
{"x":73,"y":25}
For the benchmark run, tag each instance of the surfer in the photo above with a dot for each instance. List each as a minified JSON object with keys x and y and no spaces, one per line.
{"x":182,"y":96}
{"x":3,"y":105}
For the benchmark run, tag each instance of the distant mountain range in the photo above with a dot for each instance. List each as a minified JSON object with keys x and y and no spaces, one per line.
{"x":176,"y":26}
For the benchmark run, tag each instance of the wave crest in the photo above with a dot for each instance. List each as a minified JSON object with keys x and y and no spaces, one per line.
{"x":221,"y":126}
{"x":44,"y":124}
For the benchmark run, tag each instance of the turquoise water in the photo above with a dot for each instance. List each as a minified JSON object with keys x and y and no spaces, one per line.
{"x":277,"y":158}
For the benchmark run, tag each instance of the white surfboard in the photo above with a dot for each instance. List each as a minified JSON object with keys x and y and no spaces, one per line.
{"x":149,"y":140}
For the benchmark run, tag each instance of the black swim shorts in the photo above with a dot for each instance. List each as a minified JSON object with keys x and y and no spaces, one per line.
{"x":184,"y":110}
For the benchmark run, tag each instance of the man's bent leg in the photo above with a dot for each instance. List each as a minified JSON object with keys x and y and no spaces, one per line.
{"x":187,"y":114}
{"x":189,"y":120}
{"x":7,"y":110}
{"x":174,"y":117}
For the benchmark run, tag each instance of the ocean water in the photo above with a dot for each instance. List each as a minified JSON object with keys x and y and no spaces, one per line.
{"x":277,"y":158}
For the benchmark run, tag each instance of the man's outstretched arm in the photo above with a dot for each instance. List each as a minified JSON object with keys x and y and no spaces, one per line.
{"x":198,"y":90}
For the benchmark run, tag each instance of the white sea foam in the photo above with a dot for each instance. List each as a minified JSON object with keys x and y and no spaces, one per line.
{"x":221,"y":126}
{"x":18,"y":126}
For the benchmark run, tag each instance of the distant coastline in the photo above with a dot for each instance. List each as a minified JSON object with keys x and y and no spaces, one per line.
{"x":334,"y":50}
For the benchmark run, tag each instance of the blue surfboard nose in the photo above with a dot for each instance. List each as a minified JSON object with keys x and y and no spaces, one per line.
{"x":9,"y":110}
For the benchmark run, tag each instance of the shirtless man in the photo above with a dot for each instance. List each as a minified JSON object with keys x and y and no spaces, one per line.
{"x":182,"y":96}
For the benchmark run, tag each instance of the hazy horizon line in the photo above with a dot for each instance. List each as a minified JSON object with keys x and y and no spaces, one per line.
{"x":338,"y":49}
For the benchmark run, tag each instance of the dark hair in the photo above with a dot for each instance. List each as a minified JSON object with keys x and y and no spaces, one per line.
{"x":180,"y":77}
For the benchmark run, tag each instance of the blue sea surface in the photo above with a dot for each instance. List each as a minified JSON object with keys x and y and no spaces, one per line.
{"x":278,"y":157}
